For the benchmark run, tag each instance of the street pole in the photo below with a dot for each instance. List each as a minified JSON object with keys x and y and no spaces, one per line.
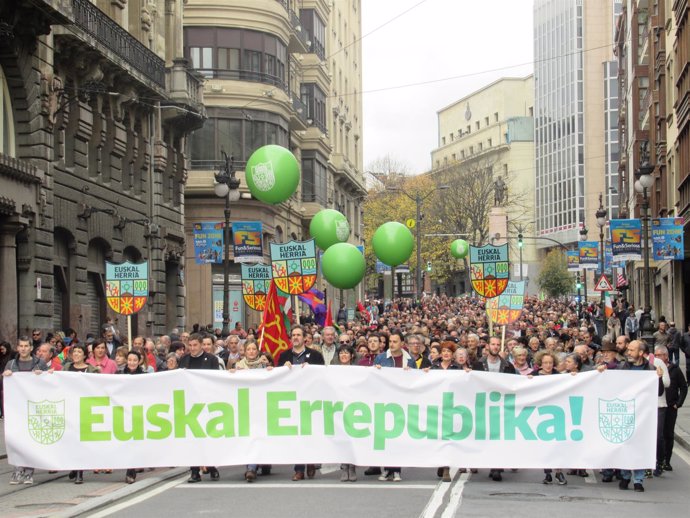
{"x":418,"y":201}
{"x":647,"y":285}
{"x":226,"y":270}
{"x":645,"y":180}
{"x":583,"y":237}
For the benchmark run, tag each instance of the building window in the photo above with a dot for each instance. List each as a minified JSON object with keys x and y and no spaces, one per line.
{"x":489,"y":142}
{"x":443,"y":141}
{"x":237,"y":54}
{"x":481,"y":146}
{"x":478,"y":125}
{"x":486,"y":121}
{"x":239,"y":137}
{"x":316,"y":31}
{"x":315,"y":100}
{"x":314,"y":178}
{"x":469,"y":128}
{"x":495,"y":116}
{"x":471,"y":150}
{"x":7,"y":139}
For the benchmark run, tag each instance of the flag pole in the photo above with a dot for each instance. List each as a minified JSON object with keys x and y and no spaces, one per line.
{"x":503,"y":338}
{"x":129,"y":331}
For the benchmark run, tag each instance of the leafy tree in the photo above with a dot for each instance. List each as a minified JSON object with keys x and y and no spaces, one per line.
{"x":554,"y":277}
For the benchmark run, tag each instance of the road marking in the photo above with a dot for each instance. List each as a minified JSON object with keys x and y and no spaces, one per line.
{"x":455,"y":497}
{"x":680,"y":451}
{"x":437,"y":497}
{"x":592,"y":478}
{"x":342,"y":485}
{"x":138,"y":499}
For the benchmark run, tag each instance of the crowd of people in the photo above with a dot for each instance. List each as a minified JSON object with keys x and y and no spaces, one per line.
{"x":551,"y":337}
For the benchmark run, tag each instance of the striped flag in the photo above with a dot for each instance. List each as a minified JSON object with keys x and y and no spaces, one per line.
{"x":621,"y":281}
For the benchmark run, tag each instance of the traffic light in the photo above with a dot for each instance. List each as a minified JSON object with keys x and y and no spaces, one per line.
{"x":520,"y":243}
{"x":578,"y":284}
{"x":428,"y":266}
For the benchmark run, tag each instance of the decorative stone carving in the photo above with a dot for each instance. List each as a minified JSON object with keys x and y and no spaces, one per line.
{"x":52,"y":96}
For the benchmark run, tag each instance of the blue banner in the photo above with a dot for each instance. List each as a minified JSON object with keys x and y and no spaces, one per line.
{"x":589,"y":255}
{"x":247,"y":242}
{"x":626,"y":239}
{"x":667,"y":239}
{"x":208,"y":242}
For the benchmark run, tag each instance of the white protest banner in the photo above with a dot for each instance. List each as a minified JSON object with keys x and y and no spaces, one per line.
{"x":332,"y":414}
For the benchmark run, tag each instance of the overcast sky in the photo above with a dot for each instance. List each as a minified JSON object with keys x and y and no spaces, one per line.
{"x":437,"y":39}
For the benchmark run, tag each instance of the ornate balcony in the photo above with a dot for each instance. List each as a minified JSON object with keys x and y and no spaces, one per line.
{"x":113,"y":37}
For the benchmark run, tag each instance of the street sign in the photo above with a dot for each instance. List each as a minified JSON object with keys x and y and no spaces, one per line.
{"x":603,"y":284}
{"x":410,"y":223}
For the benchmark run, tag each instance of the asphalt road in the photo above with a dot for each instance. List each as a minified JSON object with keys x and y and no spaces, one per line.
{"x":420,"y":494}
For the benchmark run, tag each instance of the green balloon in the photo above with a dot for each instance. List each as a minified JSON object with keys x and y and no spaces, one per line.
{"x":272,"y":174}
{"x":343,"y":265}
{"x":459,"y":248}
{"x":329,"y":227}
{"x":393,"y":243}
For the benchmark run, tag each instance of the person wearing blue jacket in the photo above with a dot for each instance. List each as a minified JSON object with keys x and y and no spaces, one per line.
{"x":395,"y":356}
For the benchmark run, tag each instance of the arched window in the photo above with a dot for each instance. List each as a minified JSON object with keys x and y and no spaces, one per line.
{"x":7,"y":140}
{"x":62,"y":275}
{"x":99,"y":250}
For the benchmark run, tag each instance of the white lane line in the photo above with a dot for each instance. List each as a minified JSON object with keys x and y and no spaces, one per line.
{"x":288,"y":485}
{"x":680,"y":451}
{"x":592,"y":478}
{"x":437,"y":497}
{"x":455,"y":497}
{"x":136,"y":500}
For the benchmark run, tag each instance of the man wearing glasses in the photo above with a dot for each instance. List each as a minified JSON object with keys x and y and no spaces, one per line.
{"x":36,"y":340}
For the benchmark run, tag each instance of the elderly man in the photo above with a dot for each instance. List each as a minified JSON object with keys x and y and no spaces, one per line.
{"x":46,"y":352}
{"x":328,"y":346}
{"x":414,"y":346}
{"x":675,"y":397}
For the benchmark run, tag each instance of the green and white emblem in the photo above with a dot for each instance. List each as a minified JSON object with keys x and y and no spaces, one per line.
{"x":616,"y":419}
{"x":46,"y":420}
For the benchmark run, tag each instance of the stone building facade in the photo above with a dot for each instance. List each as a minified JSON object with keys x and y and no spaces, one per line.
{"x":97,"y":104}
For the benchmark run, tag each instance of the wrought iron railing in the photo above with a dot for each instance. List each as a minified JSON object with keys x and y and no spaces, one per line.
{"x":112,"y":36}
{"x":243,"y":75}
{"x":299,"y":107}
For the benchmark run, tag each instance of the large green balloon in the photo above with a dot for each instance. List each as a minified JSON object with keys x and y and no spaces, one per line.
{"x":393,"y":243}
{"x":329,"y":227}
{"x":343,"y":265}
{"x":272,"y":174}
{"x":459,"y":248}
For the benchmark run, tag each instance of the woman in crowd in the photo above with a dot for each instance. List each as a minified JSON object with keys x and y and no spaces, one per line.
{"x":171,"y":362}
{"x":346,"y":356}
{"x":445,"y":361}
{"x":462,"y":358}
{"x":434,"y":352}
{"x":253,"y":359}
{"x":520,"y":361}
{"x":133,"y":366}
{"x":546,"y":364}
{"x":572,"y":365}
{"x":100,"y":358}
{"x":121,"y":358}
{"x":77,"y":362}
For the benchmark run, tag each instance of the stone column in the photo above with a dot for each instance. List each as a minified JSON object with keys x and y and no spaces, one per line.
{"x":9,"y":308}
{"x":498,"y":226}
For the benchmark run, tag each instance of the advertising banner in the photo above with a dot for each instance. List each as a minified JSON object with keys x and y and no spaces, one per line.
{"x":235,"y":310}
{"x":208,"y":242}
{"x":507,"y":307}
{"x":334,"y":414}
{"x":294,"y":266}
{"x":589,"y":255}
{"x":667,"y":239}
{"x":126,"y":286}
{"x":246,"y":242}
{"x":626,"y":239}
{"x":489,"y":270}
{"x":573,"y":257}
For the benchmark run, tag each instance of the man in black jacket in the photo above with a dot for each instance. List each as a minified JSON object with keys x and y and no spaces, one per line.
{"x":299,"y":354}
{"x":675,"y":397}
{"x":196,"y":358}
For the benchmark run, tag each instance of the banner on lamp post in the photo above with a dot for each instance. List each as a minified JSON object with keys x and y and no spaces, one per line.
{"x":588,"y":255}
{"x":667,"y":239}
{"x":626,"y":239}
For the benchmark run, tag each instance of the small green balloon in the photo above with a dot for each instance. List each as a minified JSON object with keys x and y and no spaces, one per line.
{"x":393,"y":243}
{"x":329,"y":227}
{"x":459,"y":248}
{"x":272,"y":174}
{"x":343,"y":265}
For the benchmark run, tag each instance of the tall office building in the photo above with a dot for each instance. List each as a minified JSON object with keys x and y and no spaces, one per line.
{"x":576,"y":139}
{"x":281,"y":72}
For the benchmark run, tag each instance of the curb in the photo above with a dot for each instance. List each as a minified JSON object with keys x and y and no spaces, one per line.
{"x":120,"y":494}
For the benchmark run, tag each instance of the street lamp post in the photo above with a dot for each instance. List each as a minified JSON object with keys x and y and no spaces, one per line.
{"x":601,"y":223}
{"x":520,"y":245}
{"x":227,"y":186}
{"x":418,"y":199}
{"x":583,"y":237}
{"x":645,"y":181}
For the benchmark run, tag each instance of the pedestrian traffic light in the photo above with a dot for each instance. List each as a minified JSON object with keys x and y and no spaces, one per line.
{"x":520,"y":243}
{"x":578,"y":284}
{"x":428,"y":266}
